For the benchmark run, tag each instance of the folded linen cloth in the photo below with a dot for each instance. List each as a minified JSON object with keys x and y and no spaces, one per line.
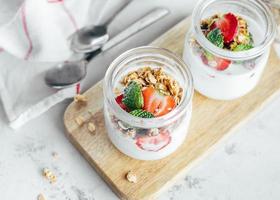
{"x":34,"y":40}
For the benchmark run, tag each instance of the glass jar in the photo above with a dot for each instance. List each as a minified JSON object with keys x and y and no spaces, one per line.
{"x":142,"y":138}
{"x":244,"y":67}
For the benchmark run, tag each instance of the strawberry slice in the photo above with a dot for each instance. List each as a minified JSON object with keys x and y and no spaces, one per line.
{"x":228,"y":25}
{"x":154,"y":143}
{"x":156,"y":103}
{"x":220,"y":63}
{"x":119,"y":101}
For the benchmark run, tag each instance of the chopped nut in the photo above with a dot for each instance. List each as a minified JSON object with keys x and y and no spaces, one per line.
{"x":177,"y":99}
{"x":79,"y":98}
{"x":91,"y":127}
{"x":160,"y":86}
{"x":49,"y":175}
{"x":80,"y":120}
{"x":41,"y":197}
{"x":133,"y":76}
{"x":131,"y":132}
{"x":141,"y":81}
{"x":152,"y":79}
{"x":131,"y":177}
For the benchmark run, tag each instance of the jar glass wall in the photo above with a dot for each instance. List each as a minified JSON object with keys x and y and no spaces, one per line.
{"x":142,"y":138}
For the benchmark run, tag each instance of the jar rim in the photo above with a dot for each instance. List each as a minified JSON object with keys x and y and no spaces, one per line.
{"x":179,"y":110}
{"x":202,"y":5}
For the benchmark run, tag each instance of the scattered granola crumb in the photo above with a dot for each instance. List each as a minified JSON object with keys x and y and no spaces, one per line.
{"x":41,"y":197}
{"x":80,"y":120}
{"x":55,"y":155}
{"x":91,"y":127}
{"x":49,"y":175}
{"x":80,"y":98}
{"x":131,"y":177}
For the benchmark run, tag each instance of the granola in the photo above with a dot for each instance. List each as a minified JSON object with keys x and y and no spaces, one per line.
{"x":157,"y":79}
{"x":91,"y":127}
{"x":131,"y":177}
{"x":41,"y":197}
{"x":80,"y":98}
{"x":80,"y":120}
{"x":48,"y":174}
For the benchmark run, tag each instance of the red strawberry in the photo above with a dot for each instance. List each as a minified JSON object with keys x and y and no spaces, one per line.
{"x":156,"y":103}
{"x":228,"y":25}
{"x":221,"y":63}
{"x":119,"y":101}
{"x":154,"y":143}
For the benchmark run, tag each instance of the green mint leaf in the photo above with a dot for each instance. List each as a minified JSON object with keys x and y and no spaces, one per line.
{"x":243,"y":47}
{"x":133,"y":98}
{"x":141,"y":113}
{"x":215,"y":36}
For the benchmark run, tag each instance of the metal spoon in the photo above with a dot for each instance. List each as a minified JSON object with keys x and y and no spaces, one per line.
{"x":70,"y":73}
{"x":90,"y":38}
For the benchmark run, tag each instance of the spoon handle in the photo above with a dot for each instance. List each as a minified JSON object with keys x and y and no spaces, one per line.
{"x":90,"y":55}
{"x":111,"y":18}
{"x":137,"y":26}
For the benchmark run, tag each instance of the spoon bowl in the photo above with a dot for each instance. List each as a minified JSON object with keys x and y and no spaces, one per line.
{"x":66,"y":74}
{"x":93,"y":37}
{"x":89,"y":38}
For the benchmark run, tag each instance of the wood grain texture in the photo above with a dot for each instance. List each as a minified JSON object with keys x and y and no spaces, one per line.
{"x":211,"y":122}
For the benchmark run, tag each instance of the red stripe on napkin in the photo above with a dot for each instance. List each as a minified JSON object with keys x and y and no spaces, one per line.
{"x":24,"y":23}
{"x":78,"y":88}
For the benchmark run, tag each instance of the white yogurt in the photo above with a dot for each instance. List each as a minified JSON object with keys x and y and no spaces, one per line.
{"x":149,"y":147}
{"x":223,"y":85}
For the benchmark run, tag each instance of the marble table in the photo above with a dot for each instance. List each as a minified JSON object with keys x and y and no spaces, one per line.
{"x":245,"y":166}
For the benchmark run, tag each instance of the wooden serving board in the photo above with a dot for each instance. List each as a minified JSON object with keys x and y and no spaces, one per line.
{"x":211,"y":121}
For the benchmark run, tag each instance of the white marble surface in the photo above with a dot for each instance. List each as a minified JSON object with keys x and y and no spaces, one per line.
{"x":245,"y":166}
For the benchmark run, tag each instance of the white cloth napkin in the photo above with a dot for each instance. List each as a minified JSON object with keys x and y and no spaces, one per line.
{"x":37,"y":33}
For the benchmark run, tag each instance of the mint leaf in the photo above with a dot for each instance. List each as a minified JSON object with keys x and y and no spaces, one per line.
{"x":215,"y":36}
{"x":142,"y":113}
{"x":133,"y":98}
{"x":243,"y":47}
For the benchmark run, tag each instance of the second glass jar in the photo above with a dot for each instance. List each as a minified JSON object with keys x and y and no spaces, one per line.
{"x":245,"y":67}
